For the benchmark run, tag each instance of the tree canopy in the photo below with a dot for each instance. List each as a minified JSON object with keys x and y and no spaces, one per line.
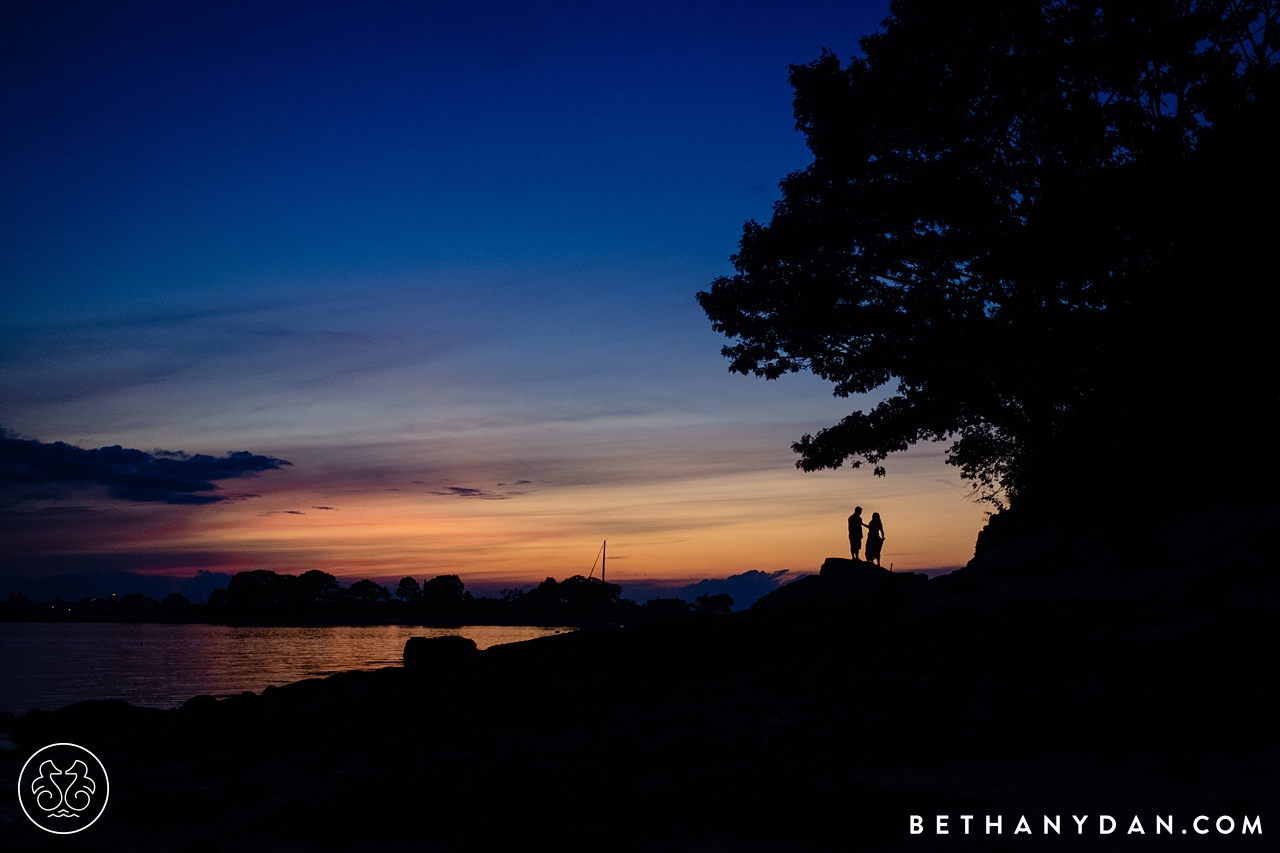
{"x":1039,"y":228}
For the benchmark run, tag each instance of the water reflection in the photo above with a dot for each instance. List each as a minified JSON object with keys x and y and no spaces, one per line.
{"x":47,"y":665}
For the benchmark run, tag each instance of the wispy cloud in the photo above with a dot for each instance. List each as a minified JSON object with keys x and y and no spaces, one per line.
{"x":467,"y":492}
{"x":161,"y":476}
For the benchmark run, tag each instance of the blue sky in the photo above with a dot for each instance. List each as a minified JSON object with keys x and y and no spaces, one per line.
{"x":417,"y":245}
{"x":233,"y":149}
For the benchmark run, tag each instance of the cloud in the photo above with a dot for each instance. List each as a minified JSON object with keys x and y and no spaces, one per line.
{"x":464,"y":492}
{"x":47,"y":511}
{"x":161,"y":476}
{"x":745,"y":588}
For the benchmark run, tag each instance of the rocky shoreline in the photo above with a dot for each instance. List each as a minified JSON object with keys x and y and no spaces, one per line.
{"x":1048,"y":677}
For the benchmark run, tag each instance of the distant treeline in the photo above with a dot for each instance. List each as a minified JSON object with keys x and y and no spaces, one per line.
{"x":315,"y":597}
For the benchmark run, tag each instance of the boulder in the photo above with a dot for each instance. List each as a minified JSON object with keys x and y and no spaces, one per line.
{"x":423,"y":652}
{"x":845,"y":572}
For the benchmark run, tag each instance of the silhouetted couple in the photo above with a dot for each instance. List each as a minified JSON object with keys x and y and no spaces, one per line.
{"x":875,"y":535}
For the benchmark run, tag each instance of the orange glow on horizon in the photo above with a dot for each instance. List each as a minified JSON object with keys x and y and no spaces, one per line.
{"x":668,"y":531}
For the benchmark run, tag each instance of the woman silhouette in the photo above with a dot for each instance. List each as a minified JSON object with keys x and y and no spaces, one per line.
{"x":875,"y":538}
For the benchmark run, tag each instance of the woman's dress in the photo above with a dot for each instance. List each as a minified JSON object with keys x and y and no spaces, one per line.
{"x":875,"y":539}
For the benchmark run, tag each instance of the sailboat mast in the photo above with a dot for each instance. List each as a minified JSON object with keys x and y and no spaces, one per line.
{"x":605,"y":559}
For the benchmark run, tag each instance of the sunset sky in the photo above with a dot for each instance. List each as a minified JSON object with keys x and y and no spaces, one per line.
{"x":439,"y":258}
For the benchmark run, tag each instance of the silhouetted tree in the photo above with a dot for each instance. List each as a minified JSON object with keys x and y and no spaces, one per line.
{"x":718,"y":604}
{"x":136,"y":601}
{"x":444,"y":594}
{"x":573,"y":599}
{"x":266,"y":589}
{"x":257,"y":588}
{"x":1034,"y":226}
{"x":367,"y":591}
{"x":316,"y":587}
{"x":665,"y":608}
{"x":408,"y":590}
{"x":175,"y":599}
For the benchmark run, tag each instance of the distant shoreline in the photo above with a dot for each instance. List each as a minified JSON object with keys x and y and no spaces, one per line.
{"x":265,"y":620}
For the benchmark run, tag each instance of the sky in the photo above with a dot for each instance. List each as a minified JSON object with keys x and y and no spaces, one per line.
{"x":430,"y":269}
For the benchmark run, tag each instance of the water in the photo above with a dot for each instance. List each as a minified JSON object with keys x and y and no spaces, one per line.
{"x":49,"y":665}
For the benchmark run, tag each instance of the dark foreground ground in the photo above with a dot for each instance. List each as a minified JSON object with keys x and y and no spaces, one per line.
{"x":1052,"y":677}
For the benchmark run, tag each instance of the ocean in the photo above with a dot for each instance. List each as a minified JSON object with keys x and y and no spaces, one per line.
{"x":49,"y":665}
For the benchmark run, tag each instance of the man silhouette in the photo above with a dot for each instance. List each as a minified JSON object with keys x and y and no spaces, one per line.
{"x":855,"y":531}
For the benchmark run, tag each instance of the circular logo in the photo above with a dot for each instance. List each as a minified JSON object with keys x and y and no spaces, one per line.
{"x":63,"y":788}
